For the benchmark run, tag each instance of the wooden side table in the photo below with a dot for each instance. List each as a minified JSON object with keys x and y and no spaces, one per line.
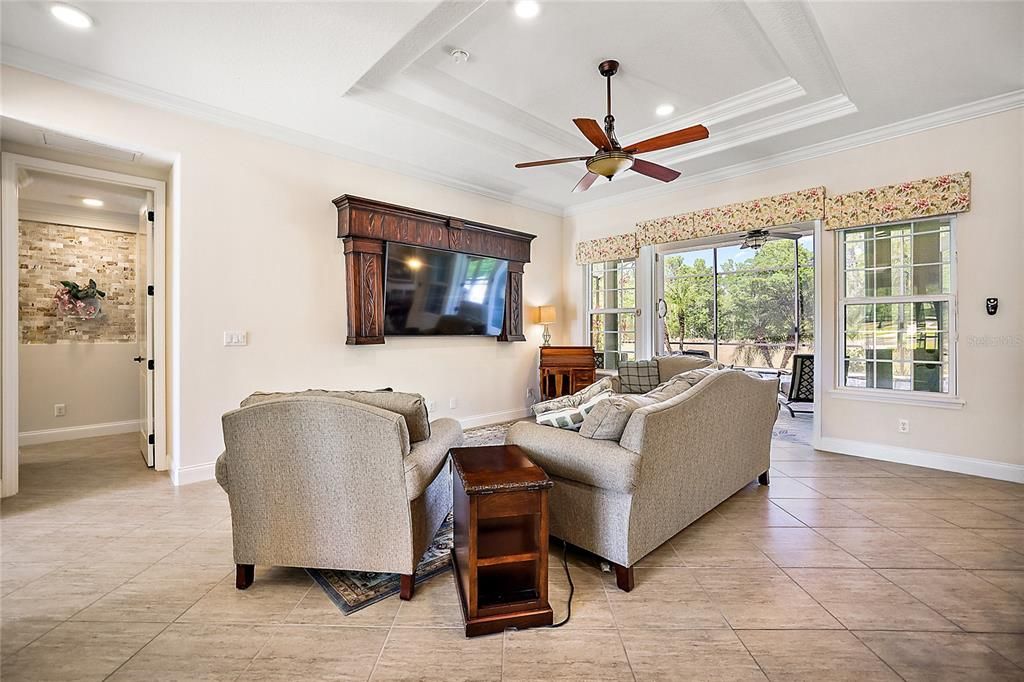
{"x":565,"y":370}
{"x":500,"y":554}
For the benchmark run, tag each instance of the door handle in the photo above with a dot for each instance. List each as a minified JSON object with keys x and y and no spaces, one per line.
{"x":138,"y":358}
{"x":662,"y":309}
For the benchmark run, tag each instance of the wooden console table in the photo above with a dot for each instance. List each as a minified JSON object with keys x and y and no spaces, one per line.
{"x":500,"y":553}
{"x":565,"y":370}
{"x":366,"y":225}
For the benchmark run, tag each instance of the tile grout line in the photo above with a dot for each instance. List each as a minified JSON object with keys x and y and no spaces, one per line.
{"x":384,"y":645}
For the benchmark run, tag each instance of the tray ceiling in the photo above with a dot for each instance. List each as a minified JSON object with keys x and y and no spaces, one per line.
{"x":375,"y":80}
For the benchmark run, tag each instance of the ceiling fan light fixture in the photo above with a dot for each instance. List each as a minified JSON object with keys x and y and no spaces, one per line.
{"x":755,"y":239}
{"x":609,"y":164}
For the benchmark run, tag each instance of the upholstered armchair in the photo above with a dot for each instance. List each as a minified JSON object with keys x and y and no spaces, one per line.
{"x":324,"y":482}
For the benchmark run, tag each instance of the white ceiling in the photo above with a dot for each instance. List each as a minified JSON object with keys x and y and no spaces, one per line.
{"x":59,"y":197}
{"x":373,"y":80}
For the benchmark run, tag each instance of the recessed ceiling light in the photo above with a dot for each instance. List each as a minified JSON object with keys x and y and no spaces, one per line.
{"x":72,"y":16}
{"x":95,"y":203}
{"x":459,"y":56}
{"x":527,"y":9}
{"x":664,"y":109}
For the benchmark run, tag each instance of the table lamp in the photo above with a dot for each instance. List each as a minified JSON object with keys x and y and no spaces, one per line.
{"x":546,"y":316}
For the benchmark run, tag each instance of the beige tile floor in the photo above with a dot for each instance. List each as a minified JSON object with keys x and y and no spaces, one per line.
{"x":842,"y":569}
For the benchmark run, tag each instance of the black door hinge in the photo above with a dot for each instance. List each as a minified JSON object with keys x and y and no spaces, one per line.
{"x":150,"y":290}
{"x":150,"y":364}
{"x":151,"y":216}
{"x":152,"y":439}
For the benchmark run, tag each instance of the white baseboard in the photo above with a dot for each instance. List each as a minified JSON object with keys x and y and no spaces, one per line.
{"x":194,"y":473}
{"x":75,"y":432}
{"x":494,"y":418}
{"x":987,"y":468}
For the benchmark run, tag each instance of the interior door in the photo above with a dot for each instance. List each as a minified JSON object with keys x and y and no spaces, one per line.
{"x":144,"y":330}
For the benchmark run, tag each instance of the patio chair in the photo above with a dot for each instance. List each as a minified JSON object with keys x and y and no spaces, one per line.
{"x":798,"y":386}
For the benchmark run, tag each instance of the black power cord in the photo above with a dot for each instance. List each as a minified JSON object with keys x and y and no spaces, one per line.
{"x":572,"y":588}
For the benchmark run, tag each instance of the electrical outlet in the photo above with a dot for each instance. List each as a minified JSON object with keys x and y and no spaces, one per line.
{"x":59,"y":410}
{"x":903,"y":425}
{"x":236,"y":338}
{"x":530,"y":394}
{"x":453,"y":403}
{"x":430,"y":406}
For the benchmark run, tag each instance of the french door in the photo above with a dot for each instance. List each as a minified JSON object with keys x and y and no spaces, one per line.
{"x":743,"y":307}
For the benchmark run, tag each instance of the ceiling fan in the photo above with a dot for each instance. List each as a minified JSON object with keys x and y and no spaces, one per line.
{"x":611,"y":157}
{"x":755,"y":239}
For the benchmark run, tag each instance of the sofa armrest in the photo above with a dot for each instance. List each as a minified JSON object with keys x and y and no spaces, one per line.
{"x":221,"y":471}
{"x":427,"y":457}
{"x":567,"y":454}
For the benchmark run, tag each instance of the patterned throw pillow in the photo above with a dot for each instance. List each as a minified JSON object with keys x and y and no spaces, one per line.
{"x":574,"y":400}
{"x":571,"y":417}
{"x":608,"y":419}
{"x":638,"y":376}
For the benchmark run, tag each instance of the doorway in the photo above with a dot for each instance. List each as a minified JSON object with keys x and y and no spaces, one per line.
{"x":82,"y":310}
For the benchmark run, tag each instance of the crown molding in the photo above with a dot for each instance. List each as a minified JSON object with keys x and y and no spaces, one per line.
{"x":958,"y":114}
{"x":157,"y":99}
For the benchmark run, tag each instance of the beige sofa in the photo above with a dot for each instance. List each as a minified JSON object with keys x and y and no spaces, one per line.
{"x":325,"y":482}
{"x":676,"y":460}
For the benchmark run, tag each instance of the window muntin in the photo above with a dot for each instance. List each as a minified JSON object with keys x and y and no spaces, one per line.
{"x":897,"y":307}
{"x":612,"y":318}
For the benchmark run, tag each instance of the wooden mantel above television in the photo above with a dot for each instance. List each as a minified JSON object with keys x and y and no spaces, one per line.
{"x":365,"y":225}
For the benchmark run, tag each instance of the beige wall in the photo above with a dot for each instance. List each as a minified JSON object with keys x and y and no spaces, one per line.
{"x":97,"y":382}
{"x":252,"y":246}
{"x":990,"y":241}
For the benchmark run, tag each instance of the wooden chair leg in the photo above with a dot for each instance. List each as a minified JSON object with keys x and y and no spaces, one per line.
{"x":763,"y":478}
{"x":408,"y":586}
{"x":624,"y":578}
{"x":244,"y":575}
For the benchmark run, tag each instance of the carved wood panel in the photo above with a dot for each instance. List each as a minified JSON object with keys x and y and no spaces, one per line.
{"x":364,"y":283}
{"x":512,"y":328}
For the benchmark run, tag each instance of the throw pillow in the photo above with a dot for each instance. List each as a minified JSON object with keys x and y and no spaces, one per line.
{"x":410,"y":405}
{"x":574,"y":400}
{"x":571,"y":417}
{"x":609,"y":417}
{"x":638,"y":376}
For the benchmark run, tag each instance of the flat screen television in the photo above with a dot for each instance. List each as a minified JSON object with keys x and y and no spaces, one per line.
{"x":434,"y":292}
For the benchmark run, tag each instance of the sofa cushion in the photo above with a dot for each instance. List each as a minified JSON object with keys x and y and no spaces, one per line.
{"x":410,"y":405}
{"x":566,"y":454}
{"x":571,"y":417}
{"x":609,"y":417}
{"x":427,"y":457}
{"x":671,"y":365}
{"x":574,"y":400}
{"x":638,"y":376}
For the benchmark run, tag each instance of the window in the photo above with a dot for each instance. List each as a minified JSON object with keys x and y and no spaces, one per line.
{"x":749,"y":307}
{"x":897,"y":309}
{"x":613,"y":311}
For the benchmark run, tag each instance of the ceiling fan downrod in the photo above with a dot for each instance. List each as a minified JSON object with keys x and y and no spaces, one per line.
{"x":609,"y":68}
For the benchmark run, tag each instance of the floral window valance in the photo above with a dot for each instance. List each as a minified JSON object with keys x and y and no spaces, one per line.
{"x":762,"y":213}
{"x":907,"y":200}
{"x":620,"y":246}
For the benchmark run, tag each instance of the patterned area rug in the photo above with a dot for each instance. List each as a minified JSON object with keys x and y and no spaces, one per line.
{"x":354,"y":590}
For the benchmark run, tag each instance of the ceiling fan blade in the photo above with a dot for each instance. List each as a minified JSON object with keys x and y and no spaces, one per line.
{"x":584,"y":184}
{"x":549,"y":162}
{"x":653,"y":170}
{"x":691,"y":134}
{"x":593,"y":131}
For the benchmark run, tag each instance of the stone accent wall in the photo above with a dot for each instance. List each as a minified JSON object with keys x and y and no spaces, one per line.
{"x":49,"y":253}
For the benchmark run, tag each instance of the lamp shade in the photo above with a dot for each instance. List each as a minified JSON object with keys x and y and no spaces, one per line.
{"x":546,"y":314}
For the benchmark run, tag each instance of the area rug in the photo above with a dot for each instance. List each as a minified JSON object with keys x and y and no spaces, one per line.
{"x":354,"y":590}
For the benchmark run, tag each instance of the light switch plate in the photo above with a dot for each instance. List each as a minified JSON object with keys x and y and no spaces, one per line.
{"x":236,"y":338}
